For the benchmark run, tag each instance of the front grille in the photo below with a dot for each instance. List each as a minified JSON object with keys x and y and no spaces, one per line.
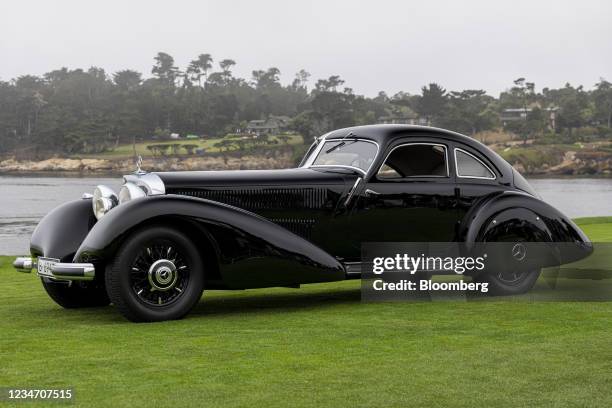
{"x":301,"y":227}
{"x":254,"y":199}
{"x":269,"y":199}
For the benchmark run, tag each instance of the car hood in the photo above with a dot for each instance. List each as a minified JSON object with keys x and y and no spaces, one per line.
{"x":284,"y":177}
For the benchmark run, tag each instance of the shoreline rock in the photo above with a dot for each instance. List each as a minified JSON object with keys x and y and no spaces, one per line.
{"x":124,"y":165}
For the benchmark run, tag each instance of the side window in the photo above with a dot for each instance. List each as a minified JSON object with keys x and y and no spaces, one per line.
{"x":415,"y":160}
{"x":470,"y":166}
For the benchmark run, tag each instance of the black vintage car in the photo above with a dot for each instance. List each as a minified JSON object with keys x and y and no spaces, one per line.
{"x":155,"y":246}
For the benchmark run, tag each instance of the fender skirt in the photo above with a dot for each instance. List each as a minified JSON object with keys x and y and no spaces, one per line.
{"x":513,"y":208}
{"x":250,"y":250}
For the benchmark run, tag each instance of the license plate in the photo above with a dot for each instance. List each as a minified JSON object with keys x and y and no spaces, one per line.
{"x":44,"y":266}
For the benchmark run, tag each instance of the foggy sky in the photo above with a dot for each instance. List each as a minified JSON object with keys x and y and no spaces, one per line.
{"x":376,"y":45}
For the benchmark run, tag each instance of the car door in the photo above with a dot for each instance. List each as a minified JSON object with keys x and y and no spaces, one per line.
{"x":410,"y":198}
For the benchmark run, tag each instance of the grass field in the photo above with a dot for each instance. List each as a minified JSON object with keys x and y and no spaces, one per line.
{"x":207,"y":144}
{"x":316,"y":346}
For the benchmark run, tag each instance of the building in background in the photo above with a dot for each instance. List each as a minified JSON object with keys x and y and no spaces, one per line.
{"x":271,"y":126}
{"x":510,"y":115}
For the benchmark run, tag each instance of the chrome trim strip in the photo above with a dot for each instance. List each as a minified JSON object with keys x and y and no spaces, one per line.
{"x":419,"y":143}
{"x":343,"y":166}
{"x":352,"y":192}
{"x":151,"y":182}
{"x":477,"y":159}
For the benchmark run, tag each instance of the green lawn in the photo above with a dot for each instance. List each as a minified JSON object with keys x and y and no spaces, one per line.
{"x":316,"y":346}
{"x":208,"y":144}
{"x":599,"y":229}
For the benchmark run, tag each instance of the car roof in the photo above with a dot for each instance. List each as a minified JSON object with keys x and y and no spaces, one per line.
{"x":387,"y":133}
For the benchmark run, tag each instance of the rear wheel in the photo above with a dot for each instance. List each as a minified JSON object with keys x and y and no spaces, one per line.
{"x":72,"y":295}
{"x":157,"y":275}
{"x":513,"y":274}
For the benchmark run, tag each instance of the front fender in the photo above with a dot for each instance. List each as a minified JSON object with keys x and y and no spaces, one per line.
{"x":251,"y":250}
{"x":61,"y":231}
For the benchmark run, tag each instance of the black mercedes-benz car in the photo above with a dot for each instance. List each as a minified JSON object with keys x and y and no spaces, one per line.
{"x":155,"y":246}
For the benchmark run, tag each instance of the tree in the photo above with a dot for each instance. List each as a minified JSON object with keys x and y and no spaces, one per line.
{"x":79,"y":111}
{"x":190,"y":148}
{"x":521,"y":96}
{"x":301,"y":79}
{"x":602,"y":96}
{"x":266,"y":79}
{"x":432,"y":103}
{"x":573,"y":108}
{"x":469,"y":111}
{"x":199,"y":68}
{"x":164,"y":68}
{"x":127,"y":80}
{"x":226,"y":68}
{"x":330,"y":84}
{"x":175,"y":148}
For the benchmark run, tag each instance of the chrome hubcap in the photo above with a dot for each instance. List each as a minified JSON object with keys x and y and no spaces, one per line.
{"x":162,"y":275}
{"x":515,"y":274}
{"x":519,"y":251}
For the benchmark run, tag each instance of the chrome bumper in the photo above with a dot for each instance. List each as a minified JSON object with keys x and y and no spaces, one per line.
{"x":59,"y":271}
{"x":24,"y":265}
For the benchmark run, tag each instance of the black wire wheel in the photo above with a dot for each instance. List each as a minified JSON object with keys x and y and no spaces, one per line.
{"x":157,"y":275}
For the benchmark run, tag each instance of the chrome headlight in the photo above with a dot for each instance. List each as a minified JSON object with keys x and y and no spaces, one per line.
{"x":104,"y":199}
{"x":130,"y":191}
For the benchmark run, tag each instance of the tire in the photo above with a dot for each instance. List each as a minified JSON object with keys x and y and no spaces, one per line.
{"x":511,"y":276}
{"x":502,"y":287}
{"x":77,"y":294}
{"x":157,"y":275}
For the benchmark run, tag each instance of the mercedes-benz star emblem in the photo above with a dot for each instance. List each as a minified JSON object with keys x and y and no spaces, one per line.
{"x":519,"y":251}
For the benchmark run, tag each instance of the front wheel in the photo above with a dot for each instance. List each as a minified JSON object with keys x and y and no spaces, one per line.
{"x":157,"y":275}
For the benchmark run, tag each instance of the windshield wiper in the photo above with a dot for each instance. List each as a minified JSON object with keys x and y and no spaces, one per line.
{"x":342,"y":143}
{"x":331,"y":149}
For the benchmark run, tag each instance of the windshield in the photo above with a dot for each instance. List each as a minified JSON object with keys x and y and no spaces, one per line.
{"x":347,"y":152}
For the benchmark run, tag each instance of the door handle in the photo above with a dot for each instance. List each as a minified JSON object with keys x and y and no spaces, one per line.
{"x":371,"y":193}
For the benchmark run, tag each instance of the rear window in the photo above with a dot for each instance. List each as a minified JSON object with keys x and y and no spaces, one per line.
{"x":471,"y":167}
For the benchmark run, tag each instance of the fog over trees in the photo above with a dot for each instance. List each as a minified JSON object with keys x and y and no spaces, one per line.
{"x":89,"y":111}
